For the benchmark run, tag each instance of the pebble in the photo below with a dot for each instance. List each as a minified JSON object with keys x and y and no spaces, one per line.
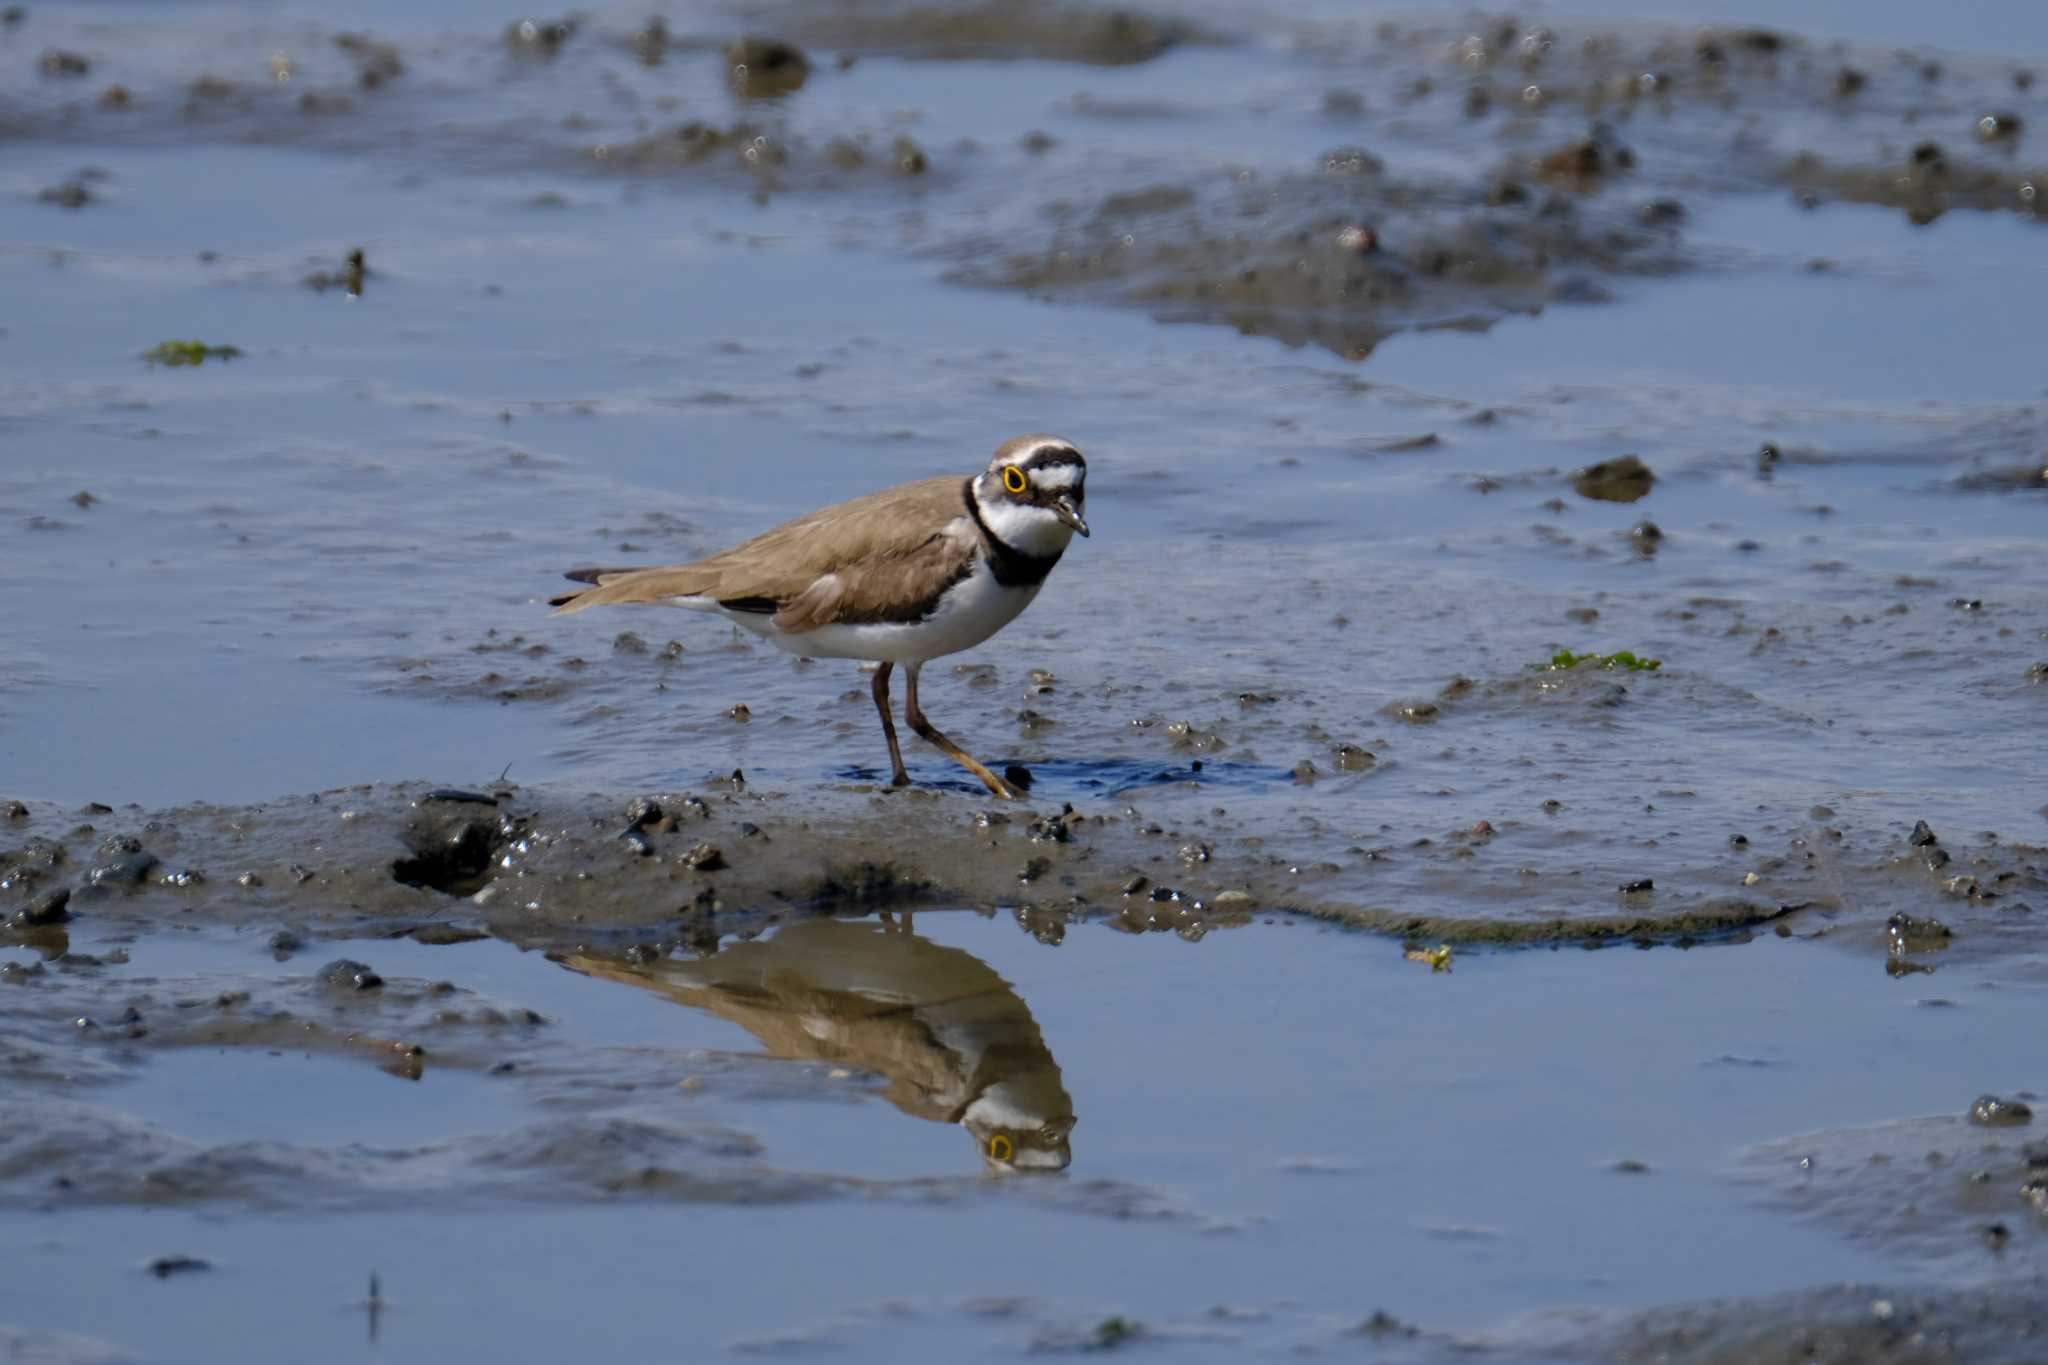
{"x":1992,"y":1111}
{"x":349,"y":975}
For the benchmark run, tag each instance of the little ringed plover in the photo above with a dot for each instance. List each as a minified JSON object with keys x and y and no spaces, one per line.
{"x":900,"y":577}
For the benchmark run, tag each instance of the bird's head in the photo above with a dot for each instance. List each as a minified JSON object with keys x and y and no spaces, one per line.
{"x":1018,"y":1137}
{"x":1033,"y":493}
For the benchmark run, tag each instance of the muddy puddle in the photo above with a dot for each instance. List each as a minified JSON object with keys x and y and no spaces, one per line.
{"x":829,"y":1083}
{"x":1535,"y":837}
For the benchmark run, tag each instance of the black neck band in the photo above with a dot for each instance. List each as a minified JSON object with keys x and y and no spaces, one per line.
{"x":1011,"y":566}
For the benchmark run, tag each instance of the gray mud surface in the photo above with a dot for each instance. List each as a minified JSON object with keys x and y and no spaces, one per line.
{"x":1535,"y":847}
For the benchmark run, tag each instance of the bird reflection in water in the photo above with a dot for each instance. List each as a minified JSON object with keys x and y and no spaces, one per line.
{"x":956,"y":1042}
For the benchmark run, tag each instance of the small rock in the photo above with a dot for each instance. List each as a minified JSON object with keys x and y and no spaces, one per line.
{"x":1922,"y":836}
{"x":45,"y":908}
{"x":1915,"y":933}
{"x":1638,"y":886}
{"x":55,"y":62}
{"x":69,"y":195}
{"x":163,"y":1267}
{"x":705,"y":857}
{"x":1991,"y":1111}
{"x":1626,"y":479}
{"x":1054,"y":829}
{"x":1999,"y":127}
{"x":349,"y":975}
{"x":1351,"y":758}
{"x":1196,"y":853}
{"x":284,"y":943}
{"x":125,"y":869}
{"x":764,"y":68}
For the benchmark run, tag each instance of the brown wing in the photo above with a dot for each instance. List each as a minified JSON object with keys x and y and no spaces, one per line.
{"x":882,"y":557}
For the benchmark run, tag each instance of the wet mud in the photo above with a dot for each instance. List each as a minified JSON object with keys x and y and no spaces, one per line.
{"x":541,"y":868}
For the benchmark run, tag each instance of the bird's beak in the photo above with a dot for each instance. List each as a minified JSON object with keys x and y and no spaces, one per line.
{"x":1064,"y":509}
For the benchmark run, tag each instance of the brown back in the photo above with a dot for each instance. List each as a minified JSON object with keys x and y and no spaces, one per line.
{"x":881,"y":557}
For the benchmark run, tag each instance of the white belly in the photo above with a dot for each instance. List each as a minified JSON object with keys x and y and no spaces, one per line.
{"x":971,"y":611}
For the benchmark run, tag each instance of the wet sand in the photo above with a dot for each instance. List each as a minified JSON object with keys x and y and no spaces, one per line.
{"x":1379,"y":962}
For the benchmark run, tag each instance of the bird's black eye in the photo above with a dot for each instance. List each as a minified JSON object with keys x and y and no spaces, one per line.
{"x":1013,"y":479}
{"x":999,"y":1146}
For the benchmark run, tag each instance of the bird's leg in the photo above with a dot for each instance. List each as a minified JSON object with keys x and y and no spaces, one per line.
{"x":914,"y":713}
{"x":900,"y":778}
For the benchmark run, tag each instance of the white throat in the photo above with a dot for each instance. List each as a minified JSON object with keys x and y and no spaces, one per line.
{"x":1034,"y":531}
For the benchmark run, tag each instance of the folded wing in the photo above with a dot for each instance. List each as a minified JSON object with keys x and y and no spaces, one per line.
{"x":883,"y":557}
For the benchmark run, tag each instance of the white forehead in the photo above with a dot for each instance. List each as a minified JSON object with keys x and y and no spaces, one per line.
{"x":1058,"y":478}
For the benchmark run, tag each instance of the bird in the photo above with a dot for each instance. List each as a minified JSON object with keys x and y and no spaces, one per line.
{"x":955,"y":1041}
{"x":902,"y":576}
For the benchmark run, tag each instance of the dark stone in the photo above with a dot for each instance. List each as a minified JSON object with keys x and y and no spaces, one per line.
{"x":457,"y":796}
{"x":1992,"y":1111}
{"x":163,"y":1267}
{"x":764,"y":68}
{"x":1922,"y":835}
{"x":451,"y":854}
{"x":44,"y":908}
{"x":704,"y":858}
{"x":349,"y":975}
{"x":127,"y":869}
{"x":1914,"y":933}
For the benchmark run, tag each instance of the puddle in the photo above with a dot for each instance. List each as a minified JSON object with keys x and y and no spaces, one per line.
{"x":1322,"y":1126}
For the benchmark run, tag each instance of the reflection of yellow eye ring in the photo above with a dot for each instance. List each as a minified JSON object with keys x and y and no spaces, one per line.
{"x":1000,"y":1148}
{"x":1013,"y":479}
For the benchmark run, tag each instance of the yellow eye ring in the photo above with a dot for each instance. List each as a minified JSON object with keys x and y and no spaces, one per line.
{"x":1013,"y":479}
{"x":1000,"y":1148}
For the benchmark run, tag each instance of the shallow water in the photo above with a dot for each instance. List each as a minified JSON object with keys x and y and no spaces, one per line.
{"x":1437,"y":1141}
{"x":323,"y":563}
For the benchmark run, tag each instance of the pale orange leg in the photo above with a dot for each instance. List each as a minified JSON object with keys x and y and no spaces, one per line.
{"x":914,"y":713}
{"x":901,"y":778}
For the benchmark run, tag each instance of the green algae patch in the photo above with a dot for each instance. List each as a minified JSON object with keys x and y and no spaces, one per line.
{"x":1622,"y":659}
{"x":188,"y":353}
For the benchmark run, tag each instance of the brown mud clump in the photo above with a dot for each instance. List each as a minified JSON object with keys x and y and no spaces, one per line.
{"x":765,"y":68}
{"x":1626,"y":479}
